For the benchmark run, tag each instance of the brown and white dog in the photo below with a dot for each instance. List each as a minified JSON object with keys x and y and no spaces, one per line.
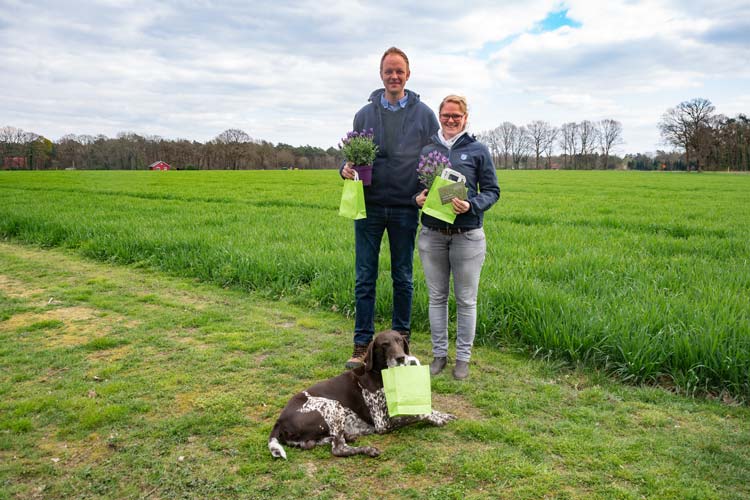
{"x":350,"y":405}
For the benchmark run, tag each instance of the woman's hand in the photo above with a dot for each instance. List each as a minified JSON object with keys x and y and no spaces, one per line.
{"x":421,"y":197}
{"x":460,"y":206}
{"x":347,"y":172}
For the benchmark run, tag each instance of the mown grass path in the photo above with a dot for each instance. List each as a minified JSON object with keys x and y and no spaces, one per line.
{"x":120,"y":382}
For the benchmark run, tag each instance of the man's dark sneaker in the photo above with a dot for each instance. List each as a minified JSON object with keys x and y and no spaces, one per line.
{"x":405,"y":335}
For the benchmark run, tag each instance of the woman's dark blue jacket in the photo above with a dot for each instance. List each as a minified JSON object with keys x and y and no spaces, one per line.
{"x":472,"y":159}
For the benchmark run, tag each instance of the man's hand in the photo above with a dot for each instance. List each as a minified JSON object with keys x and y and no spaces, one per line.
{"x":421,"y":198}
{"x":347,"y":172}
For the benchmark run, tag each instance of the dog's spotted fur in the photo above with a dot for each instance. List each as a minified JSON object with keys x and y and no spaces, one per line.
{"x":343,"y":408}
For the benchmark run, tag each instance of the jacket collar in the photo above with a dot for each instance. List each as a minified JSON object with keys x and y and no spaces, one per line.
{"x":375,"y":97}
{"x":465,"y":138}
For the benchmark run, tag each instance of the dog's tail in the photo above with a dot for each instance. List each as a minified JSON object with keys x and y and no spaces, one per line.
{"x":273,"y":443}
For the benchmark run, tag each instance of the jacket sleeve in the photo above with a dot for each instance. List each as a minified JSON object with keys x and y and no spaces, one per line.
{"x":489,"y":189}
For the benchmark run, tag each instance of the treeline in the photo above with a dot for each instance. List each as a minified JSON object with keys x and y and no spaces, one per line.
{"x":661,"y":160}
{"x":708,"y":140}
{"x":703,"y":140}
{"x":232,"y":149}
{"x":584,"y":145}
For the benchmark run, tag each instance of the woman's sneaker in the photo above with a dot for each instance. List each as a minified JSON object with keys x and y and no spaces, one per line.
{"x":437,"y":365}
{"x":461,"y":370}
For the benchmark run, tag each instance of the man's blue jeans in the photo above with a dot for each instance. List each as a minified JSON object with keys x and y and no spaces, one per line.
{"x":401,"y":224}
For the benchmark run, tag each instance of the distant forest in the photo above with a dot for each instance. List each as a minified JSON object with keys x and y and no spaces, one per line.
{"x":702,"y":140}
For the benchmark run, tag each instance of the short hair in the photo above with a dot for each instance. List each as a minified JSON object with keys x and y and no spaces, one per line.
{"x":455,"y":99}
{"x":394,"y":51}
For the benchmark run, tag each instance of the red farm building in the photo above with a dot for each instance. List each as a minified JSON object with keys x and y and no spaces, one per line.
{"x":14,"y":162}
{"x":159,"y":165}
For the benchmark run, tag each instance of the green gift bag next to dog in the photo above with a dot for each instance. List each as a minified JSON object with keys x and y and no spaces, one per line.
{"x":353,"y":199}
{"x":407,"y":390}
{"x":434,"y":205}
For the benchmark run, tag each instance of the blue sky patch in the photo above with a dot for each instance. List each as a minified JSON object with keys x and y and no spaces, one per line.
{"x":490,"y":48}
{"x":553,"y":21}
{"x":556,"y":20}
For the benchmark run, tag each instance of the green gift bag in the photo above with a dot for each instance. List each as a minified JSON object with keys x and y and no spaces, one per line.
{"x":353,"y":199}
{"x":433,"y":205}
{"x":407,"y":390}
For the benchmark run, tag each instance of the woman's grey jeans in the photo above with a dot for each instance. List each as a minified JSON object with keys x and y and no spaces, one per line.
{"x":463,"y":256}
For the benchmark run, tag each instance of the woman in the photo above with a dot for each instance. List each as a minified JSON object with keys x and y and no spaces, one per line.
{"x":457,"y":248}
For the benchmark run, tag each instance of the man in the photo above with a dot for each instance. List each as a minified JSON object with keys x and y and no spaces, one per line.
{"x":402,"y":125}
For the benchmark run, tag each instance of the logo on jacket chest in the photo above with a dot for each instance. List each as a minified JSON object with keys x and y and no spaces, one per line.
{"x":464,"y":156}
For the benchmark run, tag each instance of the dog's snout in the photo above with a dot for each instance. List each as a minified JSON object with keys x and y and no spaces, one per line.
{"x":400,"y":359}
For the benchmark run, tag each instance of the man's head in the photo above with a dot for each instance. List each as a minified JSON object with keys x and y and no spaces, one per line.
{"x":394,"y":71}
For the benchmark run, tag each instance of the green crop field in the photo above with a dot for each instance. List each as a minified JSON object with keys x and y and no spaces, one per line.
{"x":644,"y":275}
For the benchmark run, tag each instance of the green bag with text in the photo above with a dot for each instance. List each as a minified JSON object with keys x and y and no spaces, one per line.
{"x":433,"y":205}
{"x":407,"y":390}
{"x":353,"y":199}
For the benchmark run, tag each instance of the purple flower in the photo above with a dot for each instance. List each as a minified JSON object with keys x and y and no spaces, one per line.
{"x":359,"y":147}
{"x":430,"y":166}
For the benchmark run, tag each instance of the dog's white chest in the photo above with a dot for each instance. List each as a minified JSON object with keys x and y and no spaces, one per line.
{"x":336,"y":416}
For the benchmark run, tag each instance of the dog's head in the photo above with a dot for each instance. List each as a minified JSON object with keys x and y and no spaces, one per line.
{"x":386,"y":350}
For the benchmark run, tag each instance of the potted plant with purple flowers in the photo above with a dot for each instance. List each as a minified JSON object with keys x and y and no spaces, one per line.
{"x":360,"y":150}
{"x":431,"y":166}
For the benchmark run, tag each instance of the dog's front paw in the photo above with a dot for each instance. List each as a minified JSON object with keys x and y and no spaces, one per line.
{"x":440,"y":418}
{"x":372,"y":451}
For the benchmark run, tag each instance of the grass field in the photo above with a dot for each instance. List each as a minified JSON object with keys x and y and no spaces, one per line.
{"x":121,"y":382}
{"x":644,"y":275}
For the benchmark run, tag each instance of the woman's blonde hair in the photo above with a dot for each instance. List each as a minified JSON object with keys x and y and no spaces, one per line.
{"x":456,"y":99}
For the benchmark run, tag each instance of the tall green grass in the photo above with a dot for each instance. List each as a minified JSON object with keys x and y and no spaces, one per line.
{"x":643,"y":274}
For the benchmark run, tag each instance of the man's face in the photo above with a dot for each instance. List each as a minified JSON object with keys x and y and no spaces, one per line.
{"x":394,"y":74}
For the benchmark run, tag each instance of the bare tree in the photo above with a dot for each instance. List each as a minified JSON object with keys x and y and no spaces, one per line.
{"x":33,"y":148}
{"x":540,"y":135}
{"x":569,"y":142}
{"x":684,"y":126}
{"x":70,"y":151}
{"x":549,"y":144}
{"x":490,"y":139}
{"x":520,"y":145}
{"x":610,"y":136}
{"x":505,"y":135}
{"x":587,"y":139}
{"x":233,"y":141}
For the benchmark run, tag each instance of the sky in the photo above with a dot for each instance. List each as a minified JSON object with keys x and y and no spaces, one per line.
{"x":297,"y":71}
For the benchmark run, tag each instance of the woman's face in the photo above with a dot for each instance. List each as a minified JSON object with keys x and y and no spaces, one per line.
{"x":452,"y":120}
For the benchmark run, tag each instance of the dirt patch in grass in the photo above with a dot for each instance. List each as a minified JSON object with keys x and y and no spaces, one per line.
{"x":79,"y":324}
{"x":184,"y":402}
{"x":71,"y":454}
{"x":109,"y":355}
{"x":456,"y":405}
{"x":16,"y":289}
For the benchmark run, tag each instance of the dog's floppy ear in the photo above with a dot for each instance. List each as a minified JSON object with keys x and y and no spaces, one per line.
{"x":406,"y":346}
{"x":369,"y":356}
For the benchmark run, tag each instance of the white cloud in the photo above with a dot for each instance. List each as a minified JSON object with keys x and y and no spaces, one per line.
{"x":296,"y":72}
